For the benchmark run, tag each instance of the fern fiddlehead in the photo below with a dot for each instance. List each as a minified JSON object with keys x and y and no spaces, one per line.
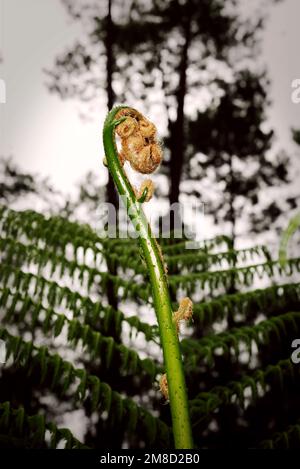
{"x":140,"y":148}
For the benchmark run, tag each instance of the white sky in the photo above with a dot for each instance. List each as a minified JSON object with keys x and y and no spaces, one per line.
{"x":45,"y":135}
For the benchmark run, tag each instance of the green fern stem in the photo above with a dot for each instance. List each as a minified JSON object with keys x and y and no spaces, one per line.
{"x":169,"y":339}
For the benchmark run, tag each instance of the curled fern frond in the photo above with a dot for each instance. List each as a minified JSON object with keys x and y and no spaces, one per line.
{"x":143,"y":152}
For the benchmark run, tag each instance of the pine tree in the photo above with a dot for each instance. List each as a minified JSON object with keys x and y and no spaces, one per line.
{"x":178,"y":50}
{"x":151,"y":38}
{"x":230,"y":139}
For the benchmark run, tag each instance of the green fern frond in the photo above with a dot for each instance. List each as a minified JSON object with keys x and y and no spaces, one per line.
{"x":263,"y":333}
{"x":93,"y":341}
{"x":69,"y":262}
{"x":268,"y":301}
{"x":32,"y":358}
{"x":30,"y":431}
{"x":93,"y":313}
{"x":279,"y":375}
{"x":288,"y":439}
{"x":243,"y":276}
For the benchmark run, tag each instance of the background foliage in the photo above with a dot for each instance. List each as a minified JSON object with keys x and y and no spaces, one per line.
{"x":65,"y":345}
{"x":194,"y":65}
{"x":83,"y":352}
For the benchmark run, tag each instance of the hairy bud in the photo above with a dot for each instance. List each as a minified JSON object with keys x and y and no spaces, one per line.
{"x":138,"y":141}
{"x":147,"y":184}
{"x":147,"y":129}
{"x":127,"y":128}
{"x":163,"y":386}
{"x":184,"y":313}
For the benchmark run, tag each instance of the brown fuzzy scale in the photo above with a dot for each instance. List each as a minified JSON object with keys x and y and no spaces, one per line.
{"x":147,"y":159}
{"x":176,"y":320}
{"x":122,"y":157}
{"x":186,"y":308}
{"x":132,"y":145}
{"x":147,"y":184}
{"x":162,"y":258}
{"x":147,"y":129}
{"x":127,"y":128}
{"x":184,"y":313}
{"x":163,"y":386}
{"x":129,"y":112}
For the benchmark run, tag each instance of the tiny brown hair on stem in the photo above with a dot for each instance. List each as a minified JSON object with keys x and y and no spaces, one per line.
{"x":163,"y":386}
{"x":184,"y":312}
{"x":146,"y":185}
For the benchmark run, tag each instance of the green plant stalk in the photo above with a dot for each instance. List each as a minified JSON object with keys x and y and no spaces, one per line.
{"x":171,"y":351}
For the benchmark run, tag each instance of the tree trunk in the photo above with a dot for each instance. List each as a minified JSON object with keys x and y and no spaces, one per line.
{"x":177,"y":128}
{"x":231,"y":191}
{"x":177,"y":131}
{"x":111,"y":194}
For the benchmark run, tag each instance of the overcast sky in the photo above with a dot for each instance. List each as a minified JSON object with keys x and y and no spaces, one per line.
{"x":45,"y":135}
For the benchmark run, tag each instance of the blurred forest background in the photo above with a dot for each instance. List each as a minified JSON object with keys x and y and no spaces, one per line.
{"x":193,"y":67}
